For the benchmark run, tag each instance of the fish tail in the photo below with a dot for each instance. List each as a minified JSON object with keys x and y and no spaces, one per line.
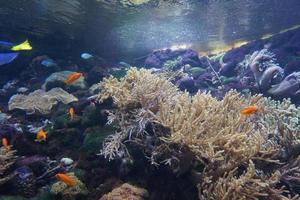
{"x":21,"y":47}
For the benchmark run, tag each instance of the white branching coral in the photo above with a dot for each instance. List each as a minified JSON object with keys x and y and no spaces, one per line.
{"x":136,"y":96}
{"x":278,"y":122}
{"x":245,"y":186}
{"x":214,"y":131}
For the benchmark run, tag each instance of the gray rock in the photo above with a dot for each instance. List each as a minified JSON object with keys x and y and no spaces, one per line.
{"x":57,"y":80}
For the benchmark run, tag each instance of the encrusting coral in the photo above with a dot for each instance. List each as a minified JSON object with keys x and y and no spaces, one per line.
{"x":69,"y":192}
{"x":7,"y":159}
{"x":151,"y":112}
{"x":126,"y":192}
{"x":39,"y":101}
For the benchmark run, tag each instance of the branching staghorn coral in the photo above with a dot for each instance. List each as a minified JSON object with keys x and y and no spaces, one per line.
{"x":247,"y":185}
{"x":290,"y":175}
{"x":7,"y":159}
{"x":213,"y":130}
{"x":135,"y":95}
{"x":218,"y":136}
{"x":279,"y":122}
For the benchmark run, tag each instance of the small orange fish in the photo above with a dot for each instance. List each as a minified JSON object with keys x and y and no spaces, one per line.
{"x":5,"y":143}
{"x":73,"y":77}
{"x":66,"y":179}
{"x":249,"y":110}
{"x":72,"y":113}
{"x":41,"y":136}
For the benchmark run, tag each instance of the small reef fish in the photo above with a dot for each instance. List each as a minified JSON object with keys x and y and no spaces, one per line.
{"x":86,"y":56}
{"x":72,"y":113}
{"x":249,"y":110}
{"x":66,"y":179}
{"x":73,"y":77}
{"x":9,"y":51}
{"x":5,"y":143}
{"x":41,"y":136}
{"x":48,"y":62}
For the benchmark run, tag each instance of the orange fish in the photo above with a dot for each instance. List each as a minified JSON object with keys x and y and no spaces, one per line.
{"x":72,"y":113}
{"x":249,"y":110}
{"x":66,"y":179}
{"x":5,"y":143}
{"x":41,"y":136}
{"x":73,"y":77}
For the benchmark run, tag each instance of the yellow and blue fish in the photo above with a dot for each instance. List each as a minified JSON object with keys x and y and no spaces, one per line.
{"x":9,"y":51}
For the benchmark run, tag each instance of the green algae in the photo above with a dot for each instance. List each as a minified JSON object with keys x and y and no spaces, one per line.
{"x":94,"y":138}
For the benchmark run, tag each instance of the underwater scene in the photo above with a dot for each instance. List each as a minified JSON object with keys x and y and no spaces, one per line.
{"x":150,"y":99}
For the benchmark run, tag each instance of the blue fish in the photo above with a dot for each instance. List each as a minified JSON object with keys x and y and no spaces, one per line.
{"x":48,"y":62}
{"x":86,"y":56}
{"x":9,"y":51}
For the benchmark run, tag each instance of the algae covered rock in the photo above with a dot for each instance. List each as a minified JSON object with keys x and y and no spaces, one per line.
{"x":3,"y":117}
{"x":126,"y":192}
{"x":94,"y":138}
{"x":57,"y":80}
{"x":39,"y":101}
{"x":196,"y":71}
{"x":67,"y":192}
{"x":93,"y":116}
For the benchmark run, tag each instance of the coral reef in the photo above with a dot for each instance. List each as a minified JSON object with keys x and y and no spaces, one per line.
{"x":175,"y":129}
{"x":126,"y":192}
{"x":151,"y":113}
{"x":7,"y":159}
{"x":69,"y":193}
{"x":39,"y":101}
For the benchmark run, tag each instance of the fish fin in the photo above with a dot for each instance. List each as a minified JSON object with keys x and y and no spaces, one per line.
{"x":23,"y":46}
{"x":6,"y":43}
{"x":7,"y":57}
